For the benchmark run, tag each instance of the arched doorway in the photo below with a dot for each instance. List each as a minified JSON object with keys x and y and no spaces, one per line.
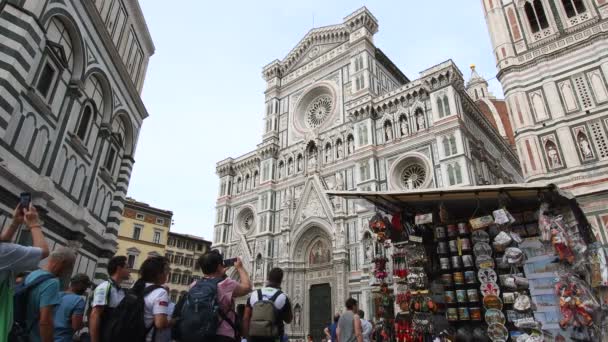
{"x":314,"y":279}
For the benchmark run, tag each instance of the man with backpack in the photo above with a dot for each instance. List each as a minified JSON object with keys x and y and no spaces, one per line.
{"x":15,"y":258}
{"x":107,"y":296}
{"x":70,"y":311}
{"x":267,"y":311}
{"x":44,"y":296}
{"x":207,"y":313}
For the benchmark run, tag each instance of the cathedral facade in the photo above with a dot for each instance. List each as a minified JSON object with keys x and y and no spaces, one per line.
{"x":552,"y":60}
{"x":340,"y":115}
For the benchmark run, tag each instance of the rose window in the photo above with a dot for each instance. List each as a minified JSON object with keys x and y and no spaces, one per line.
{"x":413,"y":176}
{"x":246,"y":220}
{"x":318,"y":110}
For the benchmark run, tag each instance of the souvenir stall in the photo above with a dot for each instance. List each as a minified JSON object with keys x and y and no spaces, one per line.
{"x":490,"y":263}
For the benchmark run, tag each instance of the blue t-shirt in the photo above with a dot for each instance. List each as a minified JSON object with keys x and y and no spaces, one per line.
{"x":332,"y":331}
{"x":43,"y":295}
{"x":71,"y":304}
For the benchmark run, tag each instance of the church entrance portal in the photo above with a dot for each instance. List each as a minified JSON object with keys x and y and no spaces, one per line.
{"x":320,"y":310}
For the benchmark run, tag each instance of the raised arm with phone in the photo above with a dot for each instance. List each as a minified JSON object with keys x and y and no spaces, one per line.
{"x":27,"y":215}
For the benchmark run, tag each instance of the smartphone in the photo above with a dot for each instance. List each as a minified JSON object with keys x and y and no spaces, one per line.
{"x":229,"y":262}
{"x":24,"y":200}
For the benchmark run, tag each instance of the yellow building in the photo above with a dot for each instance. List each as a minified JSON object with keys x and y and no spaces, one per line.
{"x":143,"y":232}
{"x":182,"y":251}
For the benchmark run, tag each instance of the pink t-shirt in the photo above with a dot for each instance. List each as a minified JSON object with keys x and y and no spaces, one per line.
{"x":224,"y":297}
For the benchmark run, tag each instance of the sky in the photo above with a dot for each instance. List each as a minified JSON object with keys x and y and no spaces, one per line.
{"x":205,"y":94}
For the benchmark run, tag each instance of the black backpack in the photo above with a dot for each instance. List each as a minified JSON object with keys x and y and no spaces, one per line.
{"x":20,"y":331}
{"x":199,"y":313}
{"x":126,"y":322}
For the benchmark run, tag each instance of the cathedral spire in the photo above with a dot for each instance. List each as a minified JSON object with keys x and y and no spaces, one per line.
{"x":477,"y":86}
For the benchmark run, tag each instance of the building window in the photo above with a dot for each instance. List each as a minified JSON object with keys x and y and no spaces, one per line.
{"x":446,"y":106}
{"x":454,"y":174}
{"x":156,"y":238}
{"x":160,"y":221}
{"x":139,"y":217}
{"x":440,"y":107}
{"x":46,"y":79}
{"x":573,"y":7}
{"x":449,"y":145}
{"x":136,"y":232}
{"x":131,"y":261}
{"x":199,"y":247}
{"x":536,"y":15}
{"x":110,"y":157}
{"x":85,"y":120}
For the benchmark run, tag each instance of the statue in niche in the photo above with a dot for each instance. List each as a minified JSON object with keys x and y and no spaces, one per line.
{"x":297,"y":320}
{"x":299,"y":164}
{"x":339,"y":182}
{"x":583,"y":143}
{"x":350,"y":144}
{"x":290,"y":167}
{"x":369,"y":253}
{"x":404,"y":127}
{"x":553,"y":156}
{"x":327,"y":154}
{"x":312,"y":161}
{"x":338,"y":149}
{"x":258,"y":269}
{"x":420,"y":121}
{"x":388,"y":132}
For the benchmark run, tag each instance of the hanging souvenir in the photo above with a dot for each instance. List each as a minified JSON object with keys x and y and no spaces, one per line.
{"x":480,"y":236}
{"x":503,"y":217}
{"x":380,"y":267}
{"x":440,"y":233}
{"x":473,"y":295}
{"x":493,"y":316}
{"x":522,"y":303}
{"x":416,"y":278}
{"x":487,"y":275}
{"x":482,"y":249}
{"x":576,"y":302}
{"x":497,"y":332}
{"x":501,"y":241}
{"x":559,"y":242}
{"x":514,"y":256}
{"x":463,"y":228}
{"x":481,"y":222}
{"x":489,"y":289}
{"x":380,"y":226}
{"x":399,"y":265}
{"x":598,"y":265}
{"x":492,"y":302}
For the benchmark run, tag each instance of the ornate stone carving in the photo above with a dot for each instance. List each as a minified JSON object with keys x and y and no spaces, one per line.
{"x":312,"y":208}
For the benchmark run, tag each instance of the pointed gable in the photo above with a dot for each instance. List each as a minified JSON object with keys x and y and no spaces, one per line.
{"x":313,"y":203}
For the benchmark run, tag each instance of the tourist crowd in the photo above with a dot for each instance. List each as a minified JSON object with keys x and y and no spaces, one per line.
{"x":34,"y":307}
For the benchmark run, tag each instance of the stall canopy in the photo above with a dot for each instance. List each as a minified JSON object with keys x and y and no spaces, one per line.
{"x":479,"y":200}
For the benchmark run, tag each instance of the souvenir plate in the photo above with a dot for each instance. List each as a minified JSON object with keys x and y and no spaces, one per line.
{"x":492,"y":302}
{"x":487,"y":275}
{"x":522,"y":303}
{"x":489,"y":289}
{"x":480,"y":236}
{"x":482,"y":248}
{"x":498,"y":332}
{"x":494,"y":316}
{"x":484,"y":261}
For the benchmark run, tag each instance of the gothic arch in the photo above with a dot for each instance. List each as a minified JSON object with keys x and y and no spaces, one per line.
{"x":107,"y":92}
{"x":74,"y":32}
{"x":129,"y":135}
{"x":309,"y":232}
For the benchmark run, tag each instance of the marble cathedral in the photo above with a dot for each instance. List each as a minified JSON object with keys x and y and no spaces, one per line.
{"x":341,"y":115}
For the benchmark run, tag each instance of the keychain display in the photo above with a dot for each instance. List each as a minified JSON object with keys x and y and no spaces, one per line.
{"x":400,"y":264}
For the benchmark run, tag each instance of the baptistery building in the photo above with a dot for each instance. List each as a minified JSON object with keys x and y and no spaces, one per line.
{"x":340,"y":115}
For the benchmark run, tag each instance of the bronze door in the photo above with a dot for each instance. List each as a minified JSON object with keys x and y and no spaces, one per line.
{"x":320,"y":310}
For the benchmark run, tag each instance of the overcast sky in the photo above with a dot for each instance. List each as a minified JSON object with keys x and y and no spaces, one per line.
{"x":205,"y":93}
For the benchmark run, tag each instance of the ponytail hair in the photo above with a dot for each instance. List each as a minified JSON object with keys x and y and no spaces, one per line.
{"x":150,"y":272}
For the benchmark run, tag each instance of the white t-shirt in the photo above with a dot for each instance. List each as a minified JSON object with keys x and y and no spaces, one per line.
{"x":165,"y":334}
{"x":100,"y":296}
{"x":366,"y":330}
{"x":156,"y":303}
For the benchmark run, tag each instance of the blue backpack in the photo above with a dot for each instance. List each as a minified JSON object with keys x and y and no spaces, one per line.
{"x":20,"y":331}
